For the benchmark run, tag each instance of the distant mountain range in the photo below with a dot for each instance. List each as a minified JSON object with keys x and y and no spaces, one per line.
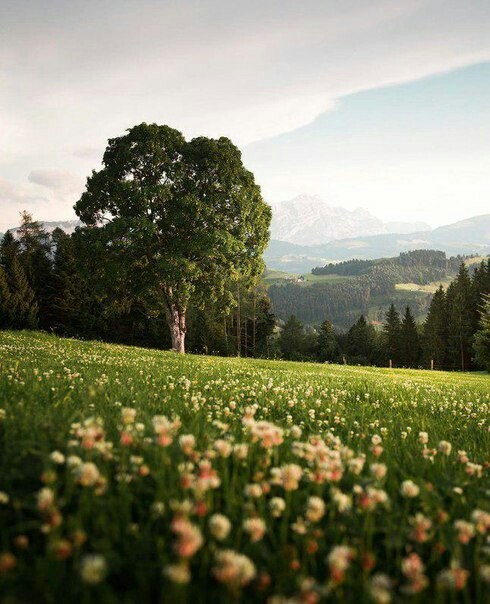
{"x":309,"y":220}
{"x":470,"y":236}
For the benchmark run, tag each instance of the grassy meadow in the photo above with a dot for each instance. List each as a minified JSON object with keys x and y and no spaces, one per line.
{"x":136,"y":475}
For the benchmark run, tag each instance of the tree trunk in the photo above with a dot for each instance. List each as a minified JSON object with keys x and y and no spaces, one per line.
{"x":176,"y":321}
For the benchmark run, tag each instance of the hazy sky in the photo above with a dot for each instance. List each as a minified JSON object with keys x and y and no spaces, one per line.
{"x":383,"y":104}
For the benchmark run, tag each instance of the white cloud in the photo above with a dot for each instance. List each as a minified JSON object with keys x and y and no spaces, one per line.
{"x":76,"y":73}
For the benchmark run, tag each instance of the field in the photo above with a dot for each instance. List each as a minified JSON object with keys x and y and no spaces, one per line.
{"x":133,"y":475}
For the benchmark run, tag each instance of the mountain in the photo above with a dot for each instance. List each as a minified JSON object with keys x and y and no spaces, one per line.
{"x":309,"y":220}
{"x":68,"y":226}
{"x":470,"y":236}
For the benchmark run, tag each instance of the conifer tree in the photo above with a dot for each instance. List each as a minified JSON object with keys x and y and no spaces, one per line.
{"x":460,"y":302}
{"x":35,"y":258}
{"x":292,"y":339}
{"x":5,"y":302}
{"x":23,"y":306}
{"x":481,"y":344}
{"x":326,"y":342}
{"x":409,"y":340}
{"x":391,"y":331}
{"x":436,"y":330}
{"x":361,"y":342}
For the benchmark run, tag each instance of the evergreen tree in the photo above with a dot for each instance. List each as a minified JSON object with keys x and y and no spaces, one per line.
{"x":5,"y":302}
{"x":292,"y":340}
{"x":35,"y":258}
{"x":409,"y":340}
{"x":436,"y":330}
{"x":481,"y":344}
{"x":361,"y":342}
{"x":391,"y":331}
{"x":460,"y":302}
{"x":23,"y":306}
{"x":67,"y":292}
{"x":326,"y":343}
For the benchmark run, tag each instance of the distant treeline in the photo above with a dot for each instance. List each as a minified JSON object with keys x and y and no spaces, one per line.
{"x":368,"y":283}
{"x":454,"y":336}
{"x":52,"y":281}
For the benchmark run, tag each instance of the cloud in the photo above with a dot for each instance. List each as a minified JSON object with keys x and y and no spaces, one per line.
{"x":12,"y":194}
{"x":62,"y":183}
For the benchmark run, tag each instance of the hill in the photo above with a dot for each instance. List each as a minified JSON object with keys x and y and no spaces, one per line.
{"x":138,"y":475}
{"x":470,"y":236}
{"x":342,"y":291}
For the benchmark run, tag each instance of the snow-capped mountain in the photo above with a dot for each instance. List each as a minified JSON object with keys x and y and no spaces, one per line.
{"x":309,"y":220}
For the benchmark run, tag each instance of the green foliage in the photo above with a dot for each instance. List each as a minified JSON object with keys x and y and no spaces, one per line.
{"x":481,"y":343}
{"x":409,"y":341}
{"x":392,"y":333}
{"x":177,"y":220}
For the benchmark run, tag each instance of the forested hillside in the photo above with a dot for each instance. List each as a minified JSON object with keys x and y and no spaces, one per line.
{"x":366,"y":287}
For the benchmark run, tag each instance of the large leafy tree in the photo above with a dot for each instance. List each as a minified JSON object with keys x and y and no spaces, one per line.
{"x":178,"y":219}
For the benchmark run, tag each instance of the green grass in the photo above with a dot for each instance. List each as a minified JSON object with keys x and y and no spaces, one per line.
{"x":429,"y":288}
{"x":143,"y":509}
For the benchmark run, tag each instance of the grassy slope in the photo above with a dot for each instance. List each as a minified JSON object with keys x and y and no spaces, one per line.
{"x":47,"y":383}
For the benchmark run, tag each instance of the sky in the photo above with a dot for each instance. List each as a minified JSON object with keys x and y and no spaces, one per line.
{"x":378,"y":104}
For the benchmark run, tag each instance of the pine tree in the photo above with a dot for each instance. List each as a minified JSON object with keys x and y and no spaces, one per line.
{"x":460,"y":302}
{"x":391,"y":331}
{"x":360,"y":342}
{"x":5,"y":302}
{"x":409,"y":340}
{"x":436,"y":330}
{"x":292,"y":339}
{"x":35,"y":258}
{"x":326,"y":342}
{"x":66,"y":297}
{"x":481,"y":344}
{"x":23,"y":306}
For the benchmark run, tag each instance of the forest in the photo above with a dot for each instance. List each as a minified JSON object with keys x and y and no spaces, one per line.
{"x":52,"y":281}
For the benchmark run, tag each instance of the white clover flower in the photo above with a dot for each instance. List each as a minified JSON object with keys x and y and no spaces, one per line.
{"x":93,"y":569}
{"x":219,"y":526}
{"x":409,"y":489}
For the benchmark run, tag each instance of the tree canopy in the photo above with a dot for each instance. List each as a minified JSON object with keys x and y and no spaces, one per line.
{"x":177,"y":220}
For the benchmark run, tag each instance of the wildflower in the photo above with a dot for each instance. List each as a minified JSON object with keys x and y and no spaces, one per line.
{"x":189,"y":537}
{"x":339,"y":560}
{"x":223,"y":447}
{"x":380,"y":588}
{"x":93,"y":569}
{"x":157,"y":509}
{"x":88,"y":474}
{"x":452,"y":578}
{"x":378,"y":470}
{"x":45,"y":499}
{"x":481,"y":519}
{"x":315,"y":509}
{"x":7,"y":562}
{"x":445,"y":447}
{"x":255,"y":527}
{"x":342,"y":501}
{"x":177,"y":573}
{"x":413,"y":568}
{"x":277,"y":505}
{"x":57,"y":457}
{"x":4,"y":498}
{"x":423,"y":438}
{"x":219,"y":526}
{"x":409,"y":489}
{"x":290,"y":476}
{"x":61,"y":549}
{"x":268,"y":434}
{"x":233,"y":569}
{"x":253,"y":490}
{"x":466,"y":531}
{"x":3,"y":414}
{"x":485,"y":572}
{"x":187,"y":443}
{"x":128,"y":415}
{"x":421,"y":524}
